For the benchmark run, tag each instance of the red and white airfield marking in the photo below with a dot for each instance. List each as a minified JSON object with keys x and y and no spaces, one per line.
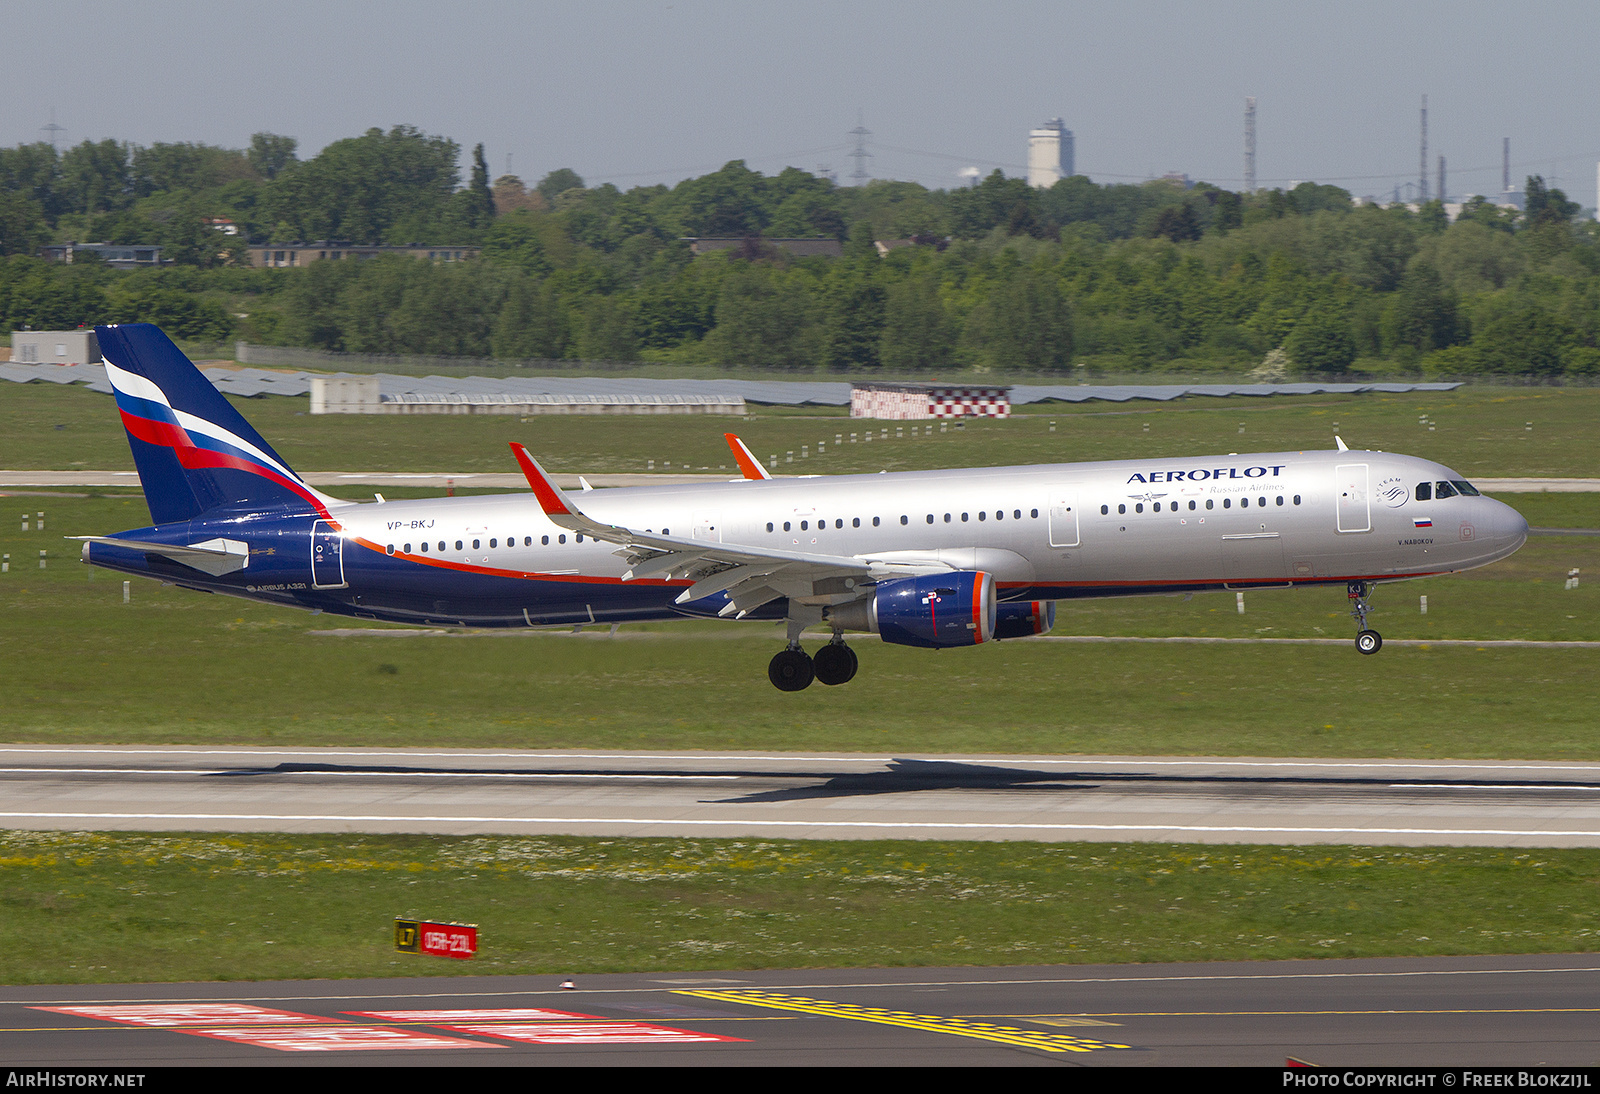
{"x":289,"y":1031}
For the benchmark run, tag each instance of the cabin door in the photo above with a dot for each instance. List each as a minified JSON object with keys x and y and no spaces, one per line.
{"x":327,"y":556}
{"x":1354,"y":500}
{"x":1064,"y":517}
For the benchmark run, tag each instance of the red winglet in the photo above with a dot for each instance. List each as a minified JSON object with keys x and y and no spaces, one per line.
{"x":748,"y":464}
{"x":547,"y":492}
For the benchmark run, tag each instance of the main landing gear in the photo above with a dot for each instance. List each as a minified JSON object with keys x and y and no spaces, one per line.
{"x":793,"y":670}
{"x":1367,"y":641}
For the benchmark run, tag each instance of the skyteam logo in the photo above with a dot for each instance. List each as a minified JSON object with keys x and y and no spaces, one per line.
{"x":1393,"y":492}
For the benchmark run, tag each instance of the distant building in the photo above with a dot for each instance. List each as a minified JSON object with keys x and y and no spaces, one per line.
{"x":54,"y":347}
{"x":301,"y":253}
{"x":1049,"y":154}
{"x":800,"y":248}
{"x":361,"y":395}
{"x":908,"y":401}
{"x":115,"y":255}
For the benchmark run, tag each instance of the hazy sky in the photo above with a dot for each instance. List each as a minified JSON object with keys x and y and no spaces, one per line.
{"x":646,"y":91}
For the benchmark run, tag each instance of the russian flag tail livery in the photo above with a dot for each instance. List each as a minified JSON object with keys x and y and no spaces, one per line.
{"x":194,"y":451}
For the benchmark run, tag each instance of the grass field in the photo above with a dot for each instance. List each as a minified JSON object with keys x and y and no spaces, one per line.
{"x":1478,"y":431}
{"x":129,"y":907}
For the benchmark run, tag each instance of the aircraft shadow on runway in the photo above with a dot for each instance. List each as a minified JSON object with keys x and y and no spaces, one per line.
{"x":914,"y":776}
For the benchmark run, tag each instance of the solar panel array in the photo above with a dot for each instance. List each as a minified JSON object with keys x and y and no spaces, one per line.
{"x":250,"y":382}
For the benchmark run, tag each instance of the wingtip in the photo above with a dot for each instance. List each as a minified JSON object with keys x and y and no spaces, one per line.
{"x":544,"y":489}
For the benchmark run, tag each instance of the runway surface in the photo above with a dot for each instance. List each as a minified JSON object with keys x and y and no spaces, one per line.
{"x":1433,"y":1012}
{"x":804,"y":796}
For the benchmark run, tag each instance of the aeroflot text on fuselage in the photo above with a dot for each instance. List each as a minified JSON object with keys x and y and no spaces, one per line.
{"x":1201,"y":474}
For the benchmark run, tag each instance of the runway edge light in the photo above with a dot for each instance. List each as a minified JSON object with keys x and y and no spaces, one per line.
{"x":458,"y":940}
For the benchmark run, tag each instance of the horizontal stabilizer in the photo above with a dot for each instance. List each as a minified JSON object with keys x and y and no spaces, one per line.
{"x":212,"y":556}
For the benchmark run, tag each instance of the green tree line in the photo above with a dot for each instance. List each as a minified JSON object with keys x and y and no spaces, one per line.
{"x":998,"y":276}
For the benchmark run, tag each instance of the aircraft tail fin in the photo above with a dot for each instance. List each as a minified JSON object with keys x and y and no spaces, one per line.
{"x":194,"y":451}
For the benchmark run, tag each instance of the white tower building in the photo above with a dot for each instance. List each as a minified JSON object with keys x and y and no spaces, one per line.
{"x":1049,"y":154}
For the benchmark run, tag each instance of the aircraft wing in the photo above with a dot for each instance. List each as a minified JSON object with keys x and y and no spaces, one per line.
{"x":751,"y":576}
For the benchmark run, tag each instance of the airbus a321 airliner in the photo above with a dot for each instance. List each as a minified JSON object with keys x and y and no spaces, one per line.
{"x":935,"y":559}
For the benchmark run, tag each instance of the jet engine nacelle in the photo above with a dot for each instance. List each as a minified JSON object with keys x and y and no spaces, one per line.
{"x":1025,"y":618}
{"x":934,"y":611}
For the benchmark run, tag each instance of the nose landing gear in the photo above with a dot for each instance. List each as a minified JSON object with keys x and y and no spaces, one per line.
{"x":1367,"y":641}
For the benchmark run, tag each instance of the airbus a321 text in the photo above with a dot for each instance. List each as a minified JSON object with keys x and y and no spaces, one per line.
{"x":934,"y":559}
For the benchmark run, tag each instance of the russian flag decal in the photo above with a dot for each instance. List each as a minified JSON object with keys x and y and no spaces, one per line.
{"x":1423,"y":522}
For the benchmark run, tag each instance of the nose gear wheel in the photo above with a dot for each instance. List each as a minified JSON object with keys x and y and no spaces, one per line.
{"x":1367,"y":641}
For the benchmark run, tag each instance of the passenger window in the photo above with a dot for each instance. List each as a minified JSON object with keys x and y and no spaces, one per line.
{"x":527,"y":541}
{"x":805,"y":525}
{"x":441,"y":545}
{"x":1106,"y":509}
{"x":1139,"y":508}
{"x":947,"y":518}
{"x":1297,"y":499}
{"x":905,"y":519}
{"x":544,"y":541}
{"x":1424,"y":491}
{"x":578,"y":538}
{"x":1211,"y":503}
{"x":769,"y":526}
{"x":1280,"y":499}
{"x":785,"y":526}
{"x":874,"y":522}
{"x":475,"y":545}
{"x":1174,"y":507}
{"x":408,"y":548}
{"x":840,"y":523}
{"x":930,"y":518}
{"x":1122,"y":508}
{"x":1191,"y":507}
{"x":1442,"y":490}
{"x":983,"y":516}
{"x":963,"y":518}
{"x":1227,"y":503}
{"x":855,"y":522}
{"x":458,"y":545}
{"x":1035,"y":515}
{"x":424,"y":548}
{"x":999,"y":514}
{"x":389,"y":550}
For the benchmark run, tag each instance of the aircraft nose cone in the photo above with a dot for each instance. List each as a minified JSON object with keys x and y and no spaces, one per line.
{"x":1510,"y":527}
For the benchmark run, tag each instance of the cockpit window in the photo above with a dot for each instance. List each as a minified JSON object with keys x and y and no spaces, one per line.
{"x":1442,"y":490}
{"x":1424,"y":491}
{"x":1466,"y":488}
